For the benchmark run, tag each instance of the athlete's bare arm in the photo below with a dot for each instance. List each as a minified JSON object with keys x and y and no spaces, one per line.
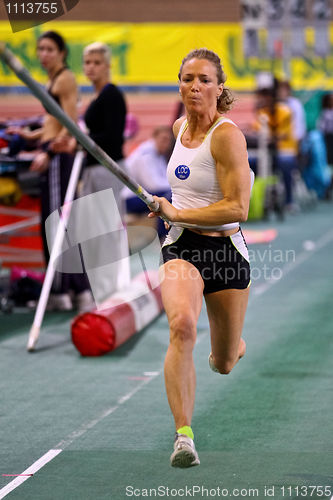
{"x":228,"y":148}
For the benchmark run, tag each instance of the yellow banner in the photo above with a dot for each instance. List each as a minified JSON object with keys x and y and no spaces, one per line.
{"x":150,"y":54}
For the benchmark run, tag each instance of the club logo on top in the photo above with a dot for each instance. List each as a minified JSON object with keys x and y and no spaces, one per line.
{"x":182,"y":172}
{"x":24,"y":14}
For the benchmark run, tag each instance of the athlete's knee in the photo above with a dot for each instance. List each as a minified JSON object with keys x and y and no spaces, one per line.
{"x":182,"y":329}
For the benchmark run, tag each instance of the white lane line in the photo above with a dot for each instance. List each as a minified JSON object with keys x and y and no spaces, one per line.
{"x":89,"y":425}
{"x":30,"y":470}
{"x":300,"y":259}
{"x":74,"y":435}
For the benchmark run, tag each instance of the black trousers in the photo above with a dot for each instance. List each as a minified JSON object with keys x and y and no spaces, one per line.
{"x":54,"y":184}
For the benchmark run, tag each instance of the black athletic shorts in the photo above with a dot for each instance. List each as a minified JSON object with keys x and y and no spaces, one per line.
{"x":222,"y":261}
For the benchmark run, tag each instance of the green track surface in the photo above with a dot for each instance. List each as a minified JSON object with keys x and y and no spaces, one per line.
{"x":267,"y":424}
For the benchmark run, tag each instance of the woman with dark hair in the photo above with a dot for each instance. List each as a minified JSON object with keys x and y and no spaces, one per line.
{"x":54,"y":165}
{"x":210,"y":181}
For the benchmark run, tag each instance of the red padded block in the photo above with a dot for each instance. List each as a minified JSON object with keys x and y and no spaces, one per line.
{"x":120,"y":317}
{"x":96,"y":333}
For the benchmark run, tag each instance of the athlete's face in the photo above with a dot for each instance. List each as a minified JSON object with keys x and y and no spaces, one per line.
{"x":95,"y":67}
{"x":49,"y":54}
{"x":199,"y":87}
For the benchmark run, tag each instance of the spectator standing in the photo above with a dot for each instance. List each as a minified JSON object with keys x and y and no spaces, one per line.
{"x":296,"y":107}
{"x":279,"y":119}
{"x":105,"y":118}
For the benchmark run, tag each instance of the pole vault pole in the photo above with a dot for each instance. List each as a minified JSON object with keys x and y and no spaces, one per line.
{"x":54,"y":109}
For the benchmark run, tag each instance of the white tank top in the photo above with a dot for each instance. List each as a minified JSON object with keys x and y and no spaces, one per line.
{"x":192,"y":176}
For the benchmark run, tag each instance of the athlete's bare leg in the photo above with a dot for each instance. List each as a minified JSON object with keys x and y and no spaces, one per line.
{"x":226,"y":312}
{"x":182,"y":289}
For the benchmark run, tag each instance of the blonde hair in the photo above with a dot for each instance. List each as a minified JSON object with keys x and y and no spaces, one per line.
{"x":100,"y":48}
{"x":226,"y":99}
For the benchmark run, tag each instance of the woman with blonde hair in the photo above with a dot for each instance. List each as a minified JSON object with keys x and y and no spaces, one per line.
{"x":210,"y":181}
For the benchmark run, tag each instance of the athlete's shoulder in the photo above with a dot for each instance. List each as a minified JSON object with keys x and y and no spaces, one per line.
{"x":227,"y":135}
{"x":225,"y":130}
{"x":176,"y":126}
